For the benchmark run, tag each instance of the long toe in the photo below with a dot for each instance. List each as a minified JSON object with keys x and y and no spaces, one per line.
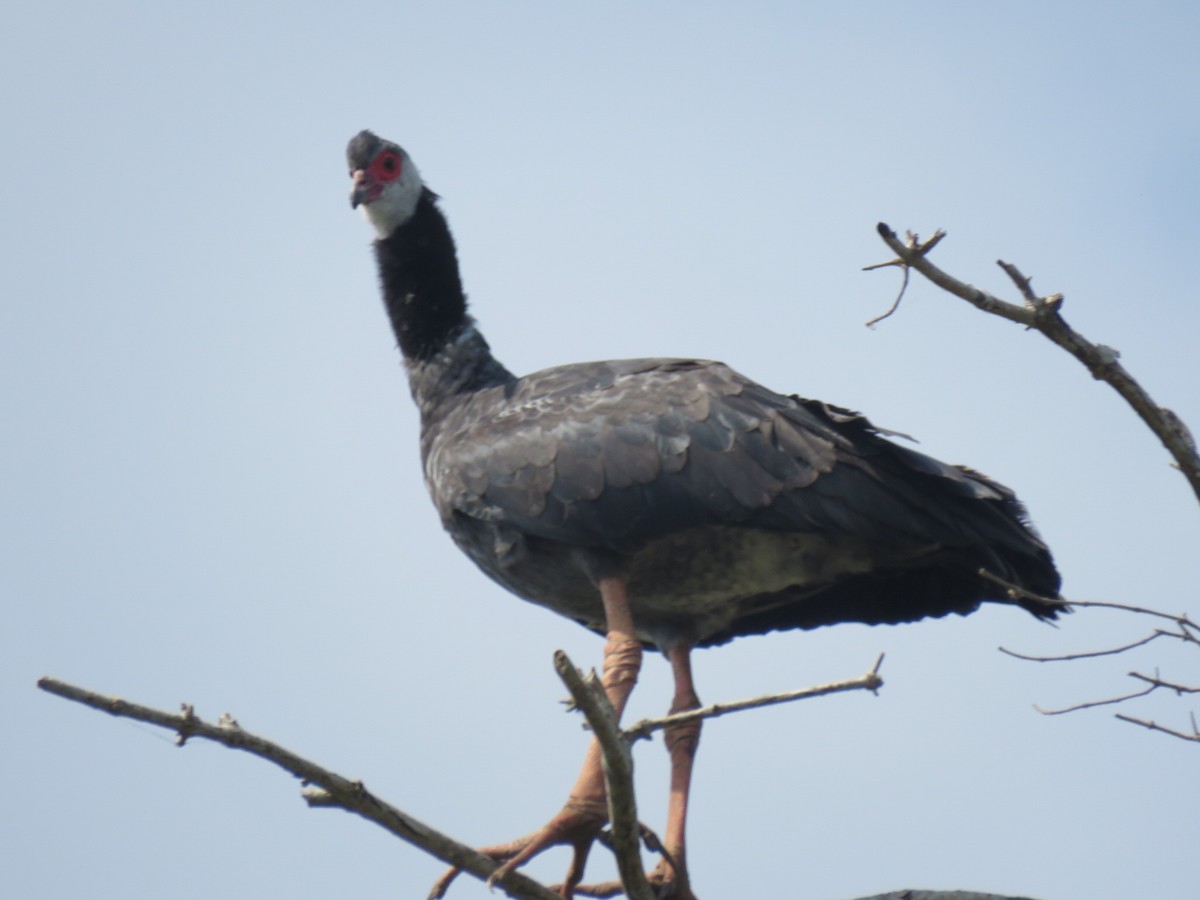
{"x":577,"y":824}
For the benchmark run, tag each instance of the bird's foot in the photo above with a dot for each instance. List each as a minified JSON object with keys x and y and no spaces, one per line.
{"x":577,"y":824}
{"x":670,"y":883}
{"x":664,"y":881}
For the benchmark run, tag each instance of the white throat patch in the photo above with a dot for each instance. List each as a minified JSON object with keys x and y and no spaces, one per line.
{"x":398,"y":201}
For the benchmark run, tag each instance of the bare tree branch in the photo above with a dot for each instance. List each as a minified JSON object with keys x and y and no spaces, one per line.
{"x":335,"y":790}
{"x":1092,"y":703}
{"x":868,"y":682}
{"x":1066,"y":657}
{"x":1018,"y":592}
{"x":588,"y":694}
{"x":871,"y":323}
{"x":1153,"y":726}
{"x":1156,"y":682}
{"x":1043,"y":314}
{"x":904,"y":267}
{"x":1188,"y":633}
{"x":324,"y":788}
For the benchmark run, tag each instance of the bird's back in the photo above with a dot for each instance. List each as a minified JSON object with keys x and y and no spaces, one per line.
{"x":731,"y":509}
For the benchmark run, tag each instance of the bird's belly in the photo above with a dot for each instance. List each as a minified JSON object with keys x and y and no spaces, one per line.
{"x":685,"y":587}
{"x":690,"y":585}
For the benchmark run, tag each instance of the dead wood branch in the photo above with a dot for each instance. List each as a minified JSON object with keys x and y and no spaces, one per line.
{"x":1188,"y":632}
{"x":588,"y":694}
{"x":1154,"y":726}
{"x":615,"y":745}
{"x":1155,"y":682}
{"x":1044,"y":314}
{"x":334,"y":789}
{"x":1092,"y":654}
{"x":868,"y":682}
{"x":1188,"y":628}
{"x":324,"y":788}
{"x":1093,"y":703}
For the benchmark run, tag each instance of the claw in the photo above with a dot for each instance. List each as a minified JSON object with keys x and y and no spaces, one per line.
{"x":580,"y":821}
{"x":577,"y":824}
{"x":438,"y":891}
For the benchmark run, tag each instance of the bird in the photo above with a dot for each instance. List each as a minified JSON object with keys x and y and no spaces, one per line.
{"x":670,"y":504}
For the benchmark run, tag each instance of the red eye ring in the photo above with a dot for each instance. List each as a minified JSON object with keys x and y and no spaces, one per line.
{"x":387,"y":165}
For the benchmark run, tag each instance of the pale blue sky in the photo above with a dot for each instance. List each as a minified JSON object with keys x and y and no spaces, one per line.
{"x":211,"y":490}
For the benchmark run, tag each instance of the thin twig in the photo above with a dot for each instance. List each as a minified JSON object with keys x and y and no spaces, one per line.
{"x":1154,"y":726}
{"x":1156,"y":682}
{"x":589,"y":696}
{"x":1187,"y":632}
{"x":1092,"y":703}
{"x":1043,"y":314}
{"x":335,"y":790}
{"x":869,"y":682}
{"x":1157,"y":633}
{"x":1024,"y":285}
{"x":904,"y":267}
{"x":1016,"y":591}
{"x":895,"y":303}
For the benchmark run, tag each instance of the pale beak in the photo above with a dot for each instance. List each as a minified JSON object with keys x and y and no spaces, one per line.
{"x":363,"y":188}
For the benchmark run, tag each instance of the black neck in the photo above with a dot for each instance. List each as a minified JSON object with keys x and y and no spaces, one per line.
{"x":444,"y":353}
{"x":421,"y":286}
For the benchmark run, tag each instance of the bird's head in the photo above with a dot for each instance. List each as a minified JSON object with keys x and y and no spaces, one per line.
{"x":385,"y":183}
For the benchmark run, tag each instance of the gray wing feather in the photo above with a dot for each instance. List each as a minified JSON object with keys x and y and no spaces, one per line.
{"x":612,"y":454}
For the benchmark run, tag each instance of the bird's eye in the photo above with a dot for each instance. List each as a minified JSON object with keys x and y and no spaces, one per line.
{"x":387,"y":165}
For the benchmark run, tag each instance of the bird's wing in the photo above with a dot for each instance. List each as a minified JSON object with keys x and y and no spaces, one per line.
{"x":613,"y":454}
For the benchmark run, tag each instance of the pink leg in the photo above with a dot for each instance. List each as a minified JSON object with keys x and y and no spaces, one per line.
{"x":586,"y":810}
{"x":682,"y":741}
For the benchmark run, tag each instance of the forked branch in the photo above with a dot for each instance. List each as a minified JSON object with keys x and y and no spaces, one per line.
{"x":1044,"y":314}
{"x":615,"y":747}
{"x":334,"y":789}
{"x":868,"y":682}
{"x":324,"y":788}
{"x":1188,"y":632}
{"x":588,"y":694}
{"x":1154,"y":726}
